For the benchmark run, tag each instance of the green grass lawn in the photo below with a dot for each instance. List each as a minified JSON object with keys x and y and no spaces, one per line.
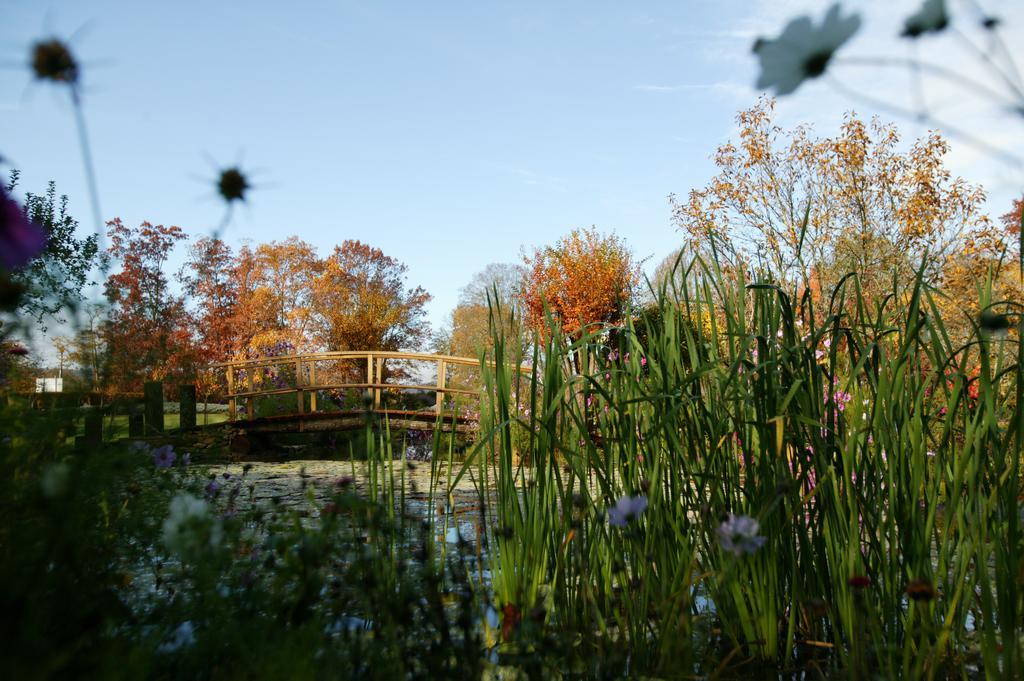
{"x":115,"y":426}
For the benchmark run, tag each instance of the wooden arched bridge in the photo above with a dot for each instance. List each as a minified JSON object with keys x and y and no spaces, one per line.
{"x":338,"y":390}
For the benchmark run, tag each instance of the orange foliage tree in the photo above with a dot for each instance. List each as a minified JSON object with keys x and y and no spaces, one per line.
{"x":208,"y":278}
{"x":806,"y":210}
{"x":145,"y":333}
{"x":275,"y":283}
{"x":360,"y":302}
{"x":989,"y":256}
{"x":585,"y":280}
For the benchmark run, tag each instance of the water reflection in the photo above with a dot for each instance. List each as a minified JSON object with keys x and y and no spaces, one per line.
{"x":305,"y":486}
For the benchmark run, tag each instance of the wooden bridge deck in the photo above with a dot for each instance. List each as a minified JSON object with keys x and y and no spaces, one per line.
{"x":308,"y":377}
{"x":353,"y":420}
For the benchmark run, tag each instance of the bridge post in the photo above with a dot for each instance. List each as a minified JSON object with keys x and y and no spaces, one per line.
{"x":232,"y":403}
{"x":312,"y":383}
{"x":442,"y":382}
{"x":369,"y":373}
{"x":300,"y":394}
{"x":250,"y":401}
{"x":380,"y":381}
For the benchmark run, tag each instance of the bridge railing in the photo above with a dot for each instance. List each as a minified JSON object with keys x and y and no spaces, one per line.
{"x":308,"y":375}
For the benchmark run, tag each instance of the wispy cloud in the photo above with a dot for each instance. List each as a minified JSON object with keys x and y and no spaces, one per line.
{"x":532,"y":178}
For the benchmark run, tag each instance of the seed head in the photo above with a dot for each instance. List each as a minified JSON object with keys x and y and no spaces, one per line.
{"x":859,"y":581}
{"x":52,"y":60}
{"x":994,"y":324}
{"x":232,"y":185}
{"x":921,"y":590}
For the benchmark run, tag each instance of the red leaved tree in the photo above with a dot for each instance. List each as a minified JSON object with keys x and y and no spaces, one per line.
{"x":146,"y":334}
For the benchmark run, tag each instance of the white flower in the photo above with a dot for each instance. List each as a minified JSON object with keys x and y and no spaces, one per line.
{"x":802,"y":51}
{"x":738,"y":534}
{"x":55,"y":480}
{"x":188,"y":525}
{"x":931,"y":18}
{"x":182,"y":637}
{"x":626,"y":508}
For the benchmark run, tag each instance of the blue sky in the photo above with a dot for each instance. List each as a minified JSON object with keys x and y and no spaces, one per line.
{"x":448,"y":134}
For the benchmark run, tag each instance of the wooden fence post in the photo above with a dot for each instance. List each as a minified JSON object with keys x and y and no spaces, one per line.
{"x":187,"y":406}
{"x":136,"y":420}
{"x":93,"y":426}
{"x":153,"y":392}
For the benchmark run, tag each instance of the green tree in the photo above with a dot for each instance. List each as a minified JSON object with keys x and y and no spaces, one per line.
{"x":53,"y":281}
{"x":494,"y":289}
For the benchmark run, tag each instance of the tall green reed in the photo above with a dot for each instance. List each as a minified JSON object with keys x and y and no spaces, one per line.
{"x":879,"y":454}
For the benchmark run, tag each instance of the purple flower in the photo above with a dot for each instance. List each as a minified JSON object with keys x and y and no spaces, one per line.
{"x":20,"y":239}
{"x":163,"y":457}
{"x":738,"y":535}
{"x":625,"y":509}
{"x":613,"y":355}
{"x":211,"y":489}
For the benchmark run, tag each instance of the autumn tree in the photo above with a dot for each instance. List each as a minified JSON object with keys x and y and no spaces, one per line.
{"x":209,"y":279}
{"x":274,"y":284}
{"x":990,"y":256}
{"x":146,"y":333}
{"x":361,"y":302}
{"x":585,"y":280}
{"x":806,"y":210}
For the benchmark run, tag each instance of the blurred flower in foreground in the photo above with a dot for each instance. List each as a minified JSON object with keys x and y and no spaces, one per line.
{"x":182,"y":637}
{"x":188,"y":525}
{"x":21,"y":240}
{"x":56,"y":479}
{"x":52,"y":60}
{"x":931,"y":18}
{"x":803,"y":50}
{"x":738,"y":535}
{"x":163,"y":457}
{"x":625,"y":509}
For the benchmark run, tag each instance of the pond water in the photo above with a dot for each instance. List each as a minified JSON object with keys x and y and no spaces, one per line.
{"x":290,"y":485}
